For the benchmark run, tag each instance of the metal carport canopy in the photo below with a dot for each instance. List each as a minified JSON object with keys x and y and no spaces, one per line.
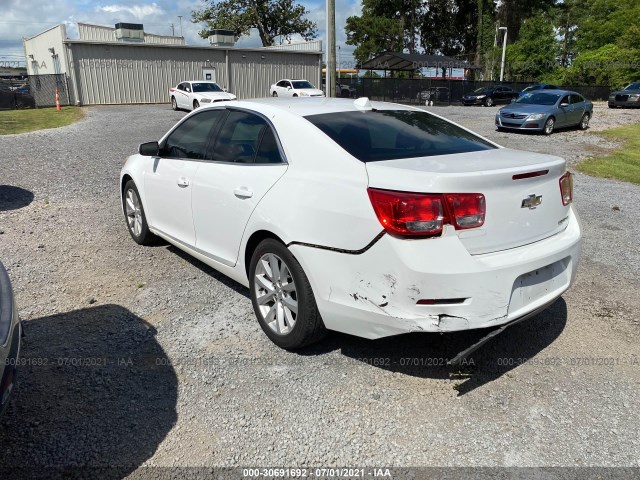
{"x":412,"y":61}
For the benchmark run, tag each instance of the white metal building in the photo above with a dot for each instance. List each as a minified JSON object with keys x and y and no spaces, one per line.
{"x":124,"y":65}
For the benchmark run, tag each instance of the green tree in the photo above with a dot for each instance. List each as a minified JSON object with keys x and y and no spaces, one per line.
{"x":384,"y":25}
{"x":272,"y":19}
{"x":536,"y":51}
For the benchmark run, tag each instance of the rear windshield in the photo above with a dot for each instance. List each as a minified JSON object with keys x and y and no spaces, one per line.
{"x":377,"y":135}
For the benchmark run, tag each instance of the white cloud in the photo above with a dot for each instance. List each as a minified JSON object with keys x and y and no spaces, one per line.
{"x":138,"y":11}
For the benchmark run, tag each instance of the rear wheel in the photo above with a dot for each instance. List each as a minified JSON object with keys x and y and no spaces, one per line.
{"x":295,"y":94}
{"x":135,"y":216}
{"x":549,"y":126}
{"x":584,"y":123}
{"x":174,"y":104}
{"x":274,"y":94}
{"x":196,"y":104}
{"x":282,"y":297}
{"x":488,"y":102}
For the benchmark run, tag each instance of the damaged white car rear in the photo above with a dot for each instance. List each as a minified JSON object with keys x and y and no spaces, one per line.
{"x":368,"y":218}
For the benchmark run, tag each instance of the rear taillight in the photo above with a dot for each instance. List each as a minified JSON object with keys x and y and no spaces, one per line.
{"x":566,"y":188}
{"x":467,"y":209}
{"x":424,"y":214}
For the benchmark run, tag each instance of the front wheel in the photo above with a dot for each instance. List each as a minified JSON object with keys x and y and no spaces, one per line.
{"x":135,"y":216}
{"x":488,"y":102}
{"x":196,"y":104}
{"x":584,"y":123}
{"x":549,"y":125}
{"x":282,"y":297}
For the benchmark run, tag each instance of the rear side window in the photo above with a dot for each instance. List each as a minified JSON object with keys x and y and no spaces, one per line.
{"x":391,"y":134}
{"x":576,"y":99}
{"x":190,"y":138}
{"x":239,"y":138}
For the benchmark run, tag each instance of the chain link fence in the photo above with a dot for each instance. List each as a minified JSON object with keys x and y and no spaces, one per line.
{"x":442,"y":92}
{"x":34,"y":91}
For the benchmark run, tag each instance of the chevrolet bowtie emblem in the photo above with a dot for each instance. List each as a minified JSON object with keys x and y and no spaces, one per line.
{"x":532,"y":201}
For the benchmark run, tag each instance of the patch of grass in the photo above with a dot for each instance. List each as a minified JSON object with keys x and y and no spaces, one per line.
{"x":21,"y":121}
{"x":624,"y":163}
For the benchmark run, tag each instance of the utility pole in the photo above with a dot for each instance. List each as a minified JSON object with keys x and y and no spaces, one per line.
{"x":180,"y":18}
{"x":338,"y":64}
{"x":331,"y":49}
{"x":504,"y":50}
{"x":173,"y":33}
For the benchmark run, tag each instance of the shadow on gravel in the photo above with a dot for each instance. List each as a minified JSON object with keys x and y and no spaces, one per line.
{"x":13,"y":198}
{"x":425,"y":355}
{"x":95,"y":396}
{"x":203,"y":267}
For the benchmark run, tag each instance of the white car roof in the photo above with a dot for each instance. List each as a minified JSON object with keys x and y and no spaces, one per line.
{"x":310,"y":106}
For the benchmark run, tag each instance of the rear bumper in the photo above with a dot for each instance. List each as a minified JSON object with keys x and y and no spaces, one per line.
{"x":374,"y":294}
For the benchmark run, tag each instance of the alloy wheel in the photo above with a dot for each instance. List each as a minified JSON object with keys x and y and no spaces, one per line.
{"x":133,"y":212}
{"x":548,"y":126}
{"x":276,"y":294}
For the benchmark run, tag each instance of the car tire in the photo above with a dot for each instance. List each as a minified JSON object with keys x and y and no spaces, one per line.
{"x":274,"y":94}
{"x":549,"y":125}
{"x":274,"y":307}
{"x":584,"y":122}
{"x":295,"y":95}
{"x":135,"y":217}
{"x":174,"y":104}
{"x":196,"y":104}
{"x":488,"y":102}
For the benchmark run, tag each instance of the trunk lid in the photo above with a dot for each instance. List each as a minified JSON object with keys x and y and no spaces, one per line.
{"x":508,"y":223}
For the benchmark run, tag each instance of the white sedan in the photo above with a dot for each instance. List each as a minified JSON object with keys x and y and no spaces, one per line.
{"x":190,"y":95}
{"x":368,"y":218}
{"x":294,"y":88}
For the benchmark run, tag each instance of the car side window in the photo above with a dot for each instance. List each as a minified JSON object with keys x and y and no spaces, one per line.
{"x":282,"y":83}
{"x":289,"y":85}
{"x":565,"y":99}
{"x":575,"y":99}
{"x":239,"y":138}
{"x":187,"y":87}
{"x":181,"y":86}
{"x":190,"y":138}
{"x":268,"y":151}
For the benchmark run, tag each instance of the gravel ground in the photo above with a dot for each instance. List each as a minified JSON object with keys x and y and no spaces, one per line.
{"x":145,"y":357}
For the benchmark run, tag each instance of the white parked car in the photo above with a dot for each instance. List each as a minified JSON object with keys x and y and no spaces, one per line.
{"x":190,"y":95}
{"x":294,"y":88}
{"x":368,"y":218}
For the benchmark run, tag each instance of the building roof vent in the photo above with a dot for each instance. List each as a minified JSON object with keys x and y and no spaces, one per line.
{"x":129,"y":32}
{"x":222,"y":38}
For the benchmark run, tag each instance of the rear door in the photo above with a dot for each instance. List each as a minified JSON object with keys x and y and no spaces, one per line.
{"x":246,"y":160}
{"x":578,"y":107}
{"x":168,"y":181}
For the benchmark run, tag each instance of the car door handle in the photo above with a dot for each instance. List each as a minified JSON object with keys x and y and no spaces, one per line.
{"x":183,"y":182}
{"x":243,"y":192}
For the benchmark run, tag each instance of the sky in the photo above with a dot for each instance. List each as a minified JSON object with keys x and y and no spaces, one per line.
{"x":26,"y":18}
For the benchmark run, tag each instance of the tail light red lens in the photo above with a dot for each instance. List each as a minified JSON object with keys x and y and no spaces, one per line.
{"x":467,"y":209}
{"x":408,"y":214}
{"x":566,"y":188}
{"x":424,"y":214}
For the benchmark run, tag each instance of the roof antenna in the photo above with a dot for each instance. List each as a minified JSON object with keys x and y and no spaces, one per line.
{"x":363,"y":104}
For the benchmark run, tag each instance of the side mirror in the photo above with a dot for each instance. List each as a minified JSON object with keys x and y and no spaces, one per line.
{"x":224,"y":89}
{"x":289,"y":87}
{"x":149,"y":149}
{"x":564,"y":104}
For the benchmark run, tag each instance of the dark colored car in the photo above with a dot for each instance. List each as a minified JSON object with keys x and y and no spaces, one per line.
{"x":538,"y":86}
{"x":11,"y":99}
{"x":629,"y":96}
{"x":489,"y":96}
{"x":544,"y":111}
{"x":10,"y":333}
